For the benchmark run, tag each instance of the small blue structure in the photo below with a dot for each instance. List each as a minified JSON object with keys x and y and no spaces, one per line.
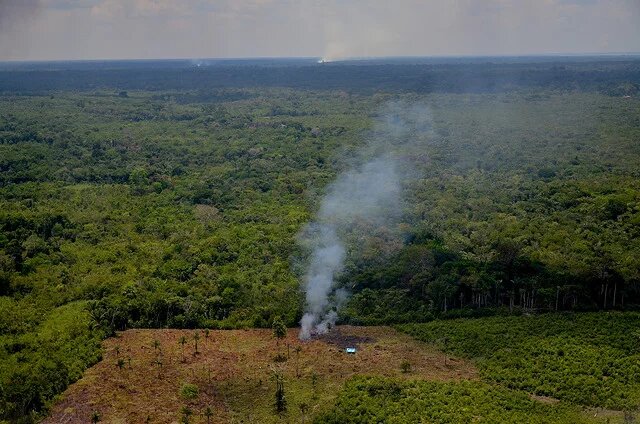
{"x":351,"y":350}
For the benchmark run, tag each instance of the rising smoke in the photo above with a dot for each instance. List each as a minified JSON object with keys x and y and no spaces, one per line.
{"x":369,"y":191}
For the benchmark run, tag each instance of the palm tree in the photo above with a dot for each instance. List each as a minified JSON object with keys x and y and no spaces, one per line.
{"x":208,"y":413}
{"x":186,"y":413}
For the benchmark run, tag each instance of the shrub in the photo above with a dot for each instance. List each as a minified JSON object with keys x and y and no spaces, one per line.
{"x":188,"y":391}
{"x":280,"y":357}
{"x":383,"y":400}
{"x":587,"y":358}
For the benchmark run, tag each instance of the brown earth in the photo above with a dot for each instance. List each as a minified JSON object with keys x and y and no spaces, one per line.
{"x":234,"y":370}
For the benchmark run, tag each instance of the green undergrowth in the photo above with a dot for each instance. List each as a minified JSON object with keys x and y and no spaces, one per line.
{"x":381,"y":400}
{"x":590,"y":359}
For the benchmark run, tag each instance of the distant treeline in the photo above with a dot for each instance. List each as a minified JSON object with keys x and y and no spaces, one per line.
{"x":616,"y":77}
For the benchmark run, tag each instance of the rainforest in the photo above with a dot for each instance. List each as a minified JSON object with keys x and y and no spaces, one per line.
{"x":144,"y":203}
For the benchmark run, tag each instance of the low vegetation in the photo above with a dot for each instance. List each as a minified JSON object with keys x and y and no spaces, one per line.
{"x":380,"y":400}
{"x":189,"y":391}
{"x":590,"y":359}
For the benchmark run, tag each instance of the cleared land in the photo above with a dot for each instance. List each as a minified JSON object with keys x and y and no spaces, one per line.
{"x":140,"y":380}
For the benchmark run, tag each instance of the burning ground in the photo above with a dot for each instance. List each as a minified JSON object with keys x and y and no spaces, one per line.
{"x":139,"y":380}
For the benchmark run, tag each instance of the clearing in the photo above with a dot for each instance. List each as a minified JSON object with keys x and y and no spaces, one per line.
{"x":143,"y":372}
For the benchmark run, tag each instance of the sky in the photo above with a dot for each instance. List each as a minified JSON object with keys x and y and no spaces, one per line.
{"x":332,"y":29}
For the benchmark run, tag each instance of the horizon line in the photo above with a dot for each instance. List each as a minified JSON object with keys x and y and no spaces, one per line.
{"x":342,"y":59}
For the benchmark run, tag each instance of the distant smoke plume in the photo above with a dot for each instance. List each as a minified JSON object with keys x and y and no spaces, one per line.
{"x":369,"y":192}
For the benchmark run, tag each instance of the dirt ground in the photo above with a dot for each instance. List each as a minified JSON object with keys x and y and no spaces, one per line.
{"x":142,"y":372}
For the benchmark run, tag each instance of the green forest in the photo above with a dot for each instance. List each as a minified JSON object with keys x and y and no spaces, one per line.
{"x":163,"y":204}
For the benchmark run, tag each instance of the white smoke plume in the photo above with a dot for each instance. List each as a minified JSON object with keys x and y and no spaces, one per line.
{"x":369,"y":191}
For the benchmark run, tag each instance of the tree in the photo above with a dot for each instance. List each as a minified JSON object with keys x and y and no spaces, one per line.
{"x":441,"y":290}
{"x":186,"y":414}
{"x":139,"y":180}
{"x":95,"y":417}
{"x":158,"y":362}
{"x":445,"y":344}
{"x":208,"y":413}
{"x":183,"y":341}
{"x":196,"y":337}
{"x":507,"y":254}
{"x":279,"y":329}
{"x":6,"y":269}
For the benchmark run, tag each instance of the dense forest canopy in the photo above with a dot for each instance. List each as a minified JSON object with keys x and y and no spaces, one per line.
{"x":154,"y":195}
{"x":614,"y":74}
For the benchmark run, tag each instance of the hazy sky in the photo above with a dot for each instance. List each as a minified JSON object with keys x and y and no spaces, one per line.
{"x":109,"y":29}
